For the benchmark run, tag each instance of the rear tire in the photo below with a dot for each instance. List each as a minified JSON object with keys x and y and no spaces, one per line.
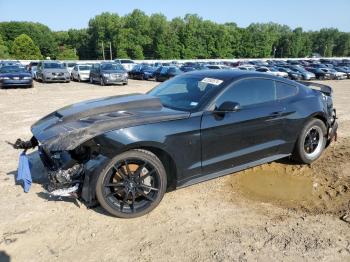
{"x":311,"y":142}
{"x":122,"y":189}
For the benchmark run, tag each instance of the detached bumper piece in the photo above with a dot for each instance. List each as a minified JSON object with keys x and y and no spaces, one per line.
{"x":65,"y":182}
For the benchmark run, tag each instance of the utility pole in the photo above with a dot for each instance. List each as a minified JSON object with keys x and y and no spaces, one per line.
{"x":110,"y":50}
{"x":103,"y":52}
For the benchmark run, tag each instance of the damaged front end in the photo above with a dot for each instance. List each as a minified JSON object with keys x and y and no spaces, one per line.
{"x":66,"y":170}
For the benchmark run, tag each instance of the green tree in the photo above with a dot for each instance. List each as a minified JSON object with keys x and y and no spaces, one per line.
{"x":4,"y":52}
{"x":66,"y":53}
{"x":24,"y":48}
{"x":39,"y":33}
{"x":103,"y":28}
{"x":342,"y":45}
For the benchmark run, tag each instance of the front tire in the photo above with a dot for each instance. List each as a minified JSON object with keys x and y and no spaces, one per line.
{"x":132,"y":184}
{"x":311,"y":142}
{"x":102,"y":82}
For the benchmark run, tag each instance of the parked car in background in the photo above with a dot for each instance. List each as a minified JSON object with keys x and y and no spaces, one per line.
{"x":272,"y":71}
{"x":167,"y":72}
{"x":187,"y":68}
{"x":52,"y":71}
{"x":343,"y":69}
{"x":217,"y":67}
{"x":142,"y":72}
{"x":10,"y":63}
{"x":334,"y":74}
{"x":247,"y":68}
{"x":81,"y":72}
{"x":126,"y":63}
{"x":108,"y":73}
{"x":319,"y":73}
{"x":305,"y":74}
{"x":32,"y":67}
{"x":15,"y":76}
{"x":291,"y":74}
{"x":69,"y":66}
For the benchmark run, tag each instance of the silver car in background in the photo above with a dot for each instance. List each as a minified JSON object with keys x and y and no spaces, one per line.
{"x":126,"y":63}
{"x":52,"y":71}
{"x":69,"y":66}
{"x":81,"y":72}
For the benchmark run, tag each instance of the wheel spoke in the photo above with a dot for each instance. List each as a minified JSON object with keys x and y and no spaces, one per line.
{"x":147,"y":175}
{"x":139,"y":169}
{"x":112,"y":193}
{"x":148,"y":187}
{"x":145,"y":195}
{"x":120,"y":171}
{"x":132,"y":206}
{"x":127,"y":168}
{"x":114,"y":185}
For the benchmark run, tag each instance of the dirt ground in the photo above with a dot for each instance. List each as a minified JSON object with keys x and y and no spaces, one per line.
{"x":278,"y":211}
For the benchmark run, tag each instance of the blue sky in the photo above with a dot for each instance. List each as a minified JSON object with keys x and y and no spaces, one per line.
{"x":65,"y":14}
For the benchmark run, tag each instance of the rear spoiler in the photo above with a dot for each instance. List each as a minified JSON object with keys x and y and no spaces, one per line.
{"x":319,"y":87}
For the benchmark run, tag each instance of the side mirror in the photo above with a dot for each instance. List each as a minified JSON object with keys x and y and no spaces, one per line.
{"x":228,"y":106}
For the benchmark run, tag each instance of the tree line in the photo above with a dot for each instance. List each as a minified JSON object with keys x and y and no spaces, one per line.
{"x":139,"y":36}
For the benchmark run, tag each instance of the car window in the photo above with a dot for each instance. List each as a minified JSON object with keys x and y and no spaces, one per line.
{"x":249,"y":92}
{"x":284,"y":90}
{"x":112,"y":67}
{"x":53,"y":66}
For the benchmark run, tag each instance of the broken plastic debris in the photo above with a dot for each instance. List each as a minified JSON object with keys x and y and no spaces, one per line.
{"x":65,"y":192}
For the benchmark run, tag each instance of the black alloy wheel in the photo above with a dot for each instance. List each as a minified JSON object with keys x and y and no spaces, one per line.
{"x":132,"y":184}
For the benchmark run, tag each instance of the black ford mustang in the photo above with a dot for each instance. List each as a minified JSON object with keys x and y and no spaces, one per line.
{"x":125,"y":152}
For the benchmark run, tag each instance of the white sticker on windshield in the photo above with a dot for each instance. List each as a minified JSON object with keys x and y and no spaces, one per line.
{"x":194,"y":104}
{"x":212,"y":81}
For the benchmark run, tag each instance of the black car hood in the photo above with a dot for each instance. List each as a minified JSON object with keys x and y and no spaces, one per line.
{"x":70,"y":126}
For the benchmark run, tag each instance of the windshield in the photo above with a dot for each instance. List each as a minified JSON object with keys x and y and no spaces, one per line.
{"x":12,"y":69}
{"x":84,"y":67}
{"x":53,"y":65}
{"x":71,"y":64}
{"x":186,"y":93}
{"x":126,"y":61}
{"x":112,"y":67}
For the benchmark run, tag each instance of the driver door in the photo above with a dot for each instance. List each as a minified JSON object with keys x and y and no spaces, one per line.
{"x":252,"y":133}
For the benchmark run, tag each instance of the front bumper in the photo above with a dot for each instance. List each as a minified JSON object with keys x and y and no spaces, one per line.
{"x":56,"y":78}
{"x":14,"y":83}
{"x":115,"y":80}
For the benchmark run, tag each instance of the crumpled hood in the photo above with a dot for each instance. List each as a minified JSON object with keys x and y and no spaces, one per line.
{"x":70,"y":126}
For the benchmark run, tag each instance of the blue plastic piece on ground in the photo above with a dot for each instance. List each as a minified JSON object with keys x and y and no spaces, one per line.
{"x":23,"y":174}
